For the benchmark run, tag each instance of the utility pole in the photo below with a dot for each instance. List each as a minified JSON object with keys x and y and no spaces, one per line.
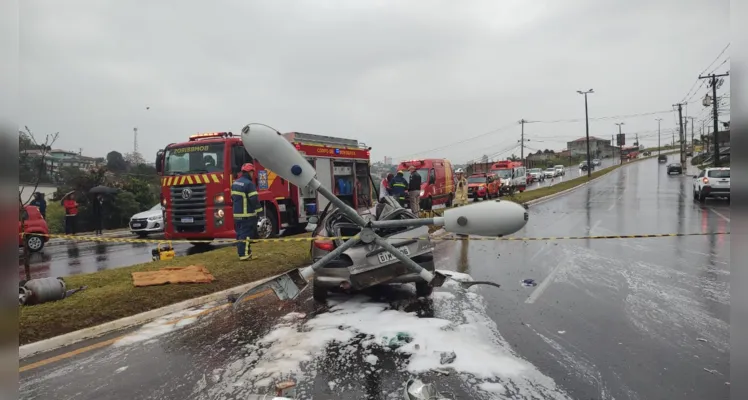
{"x":587,"y":130}
{"x":637,"y":140}
{"x":135,"y":141}
{"x":713,"y":84}
{"x":680,"y":123}
{"x":620,"y":148}
{"x":659,"y":146}
{"x":692,"y":124}
{"x":522,"y":140}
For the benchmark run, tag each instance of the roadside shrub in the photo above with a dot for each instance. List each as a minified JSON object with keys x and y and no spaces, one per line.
{"x":55,"y":217}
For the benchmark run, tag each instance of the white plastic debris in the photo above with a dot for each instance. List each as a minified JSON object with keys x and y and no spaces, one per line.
{"x":417,"y":390}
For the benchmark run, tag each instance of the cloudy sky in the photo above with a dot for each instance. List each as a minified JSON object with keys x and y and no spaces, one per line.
{"x":409,"y":78}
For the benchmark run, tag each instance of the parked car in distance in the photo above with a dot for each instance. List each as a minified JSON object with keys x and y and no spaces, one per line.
{"x":596,"y":162}
{"x":550,"y":172}
{"x":712,"y":182}
{"x":149,"y":221}
{"x":583,"y":166}
{"x":363,"y":265}
{"x":537,"y":174}
{"x":34,"y":228}
{"x":560,"y":169}
{"x":662,"y":158}
{"x":674,"y":168}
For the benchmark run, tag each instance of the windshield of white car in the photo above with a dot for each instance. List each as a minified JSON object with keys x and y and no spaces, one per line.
{"x":156,"y":207}
{"x":504,"y":173}
{"x":477,"y":179}
{"x":550,"y":170}
{"x":535,"y":170}
{"x":718,"y":173}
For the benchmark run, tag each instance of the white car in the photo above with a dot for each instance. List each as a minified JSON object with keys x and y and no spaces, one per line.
{"x":596,"y":162}
{"x":537,"y":174}
{"x":560,"y":169}
{"x":150,"y":221}
{"x":712,"y":182}
{"x":550,"y":172}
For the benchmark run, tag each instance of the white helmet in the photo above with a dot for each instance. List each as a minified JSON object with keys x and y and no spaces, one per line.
{"x":459,"y":171}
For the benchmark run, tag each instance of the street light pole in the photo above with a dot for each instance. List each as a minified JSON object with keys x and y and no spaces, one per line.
{"x":659,"y":146}
{"x":620,"y":143}
{"x":587,"y":130}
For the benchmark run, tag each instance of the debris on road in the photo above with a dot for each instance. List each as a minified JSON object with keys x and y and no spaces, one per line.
{"x":561,"y":332}
{"x":440,"y":371}
{"x":415,"y":389}
{"x":447,"y":357}
{"x":42,"y":290}
{"x":711,"y":371}
{"x":399,"y":340}
{"x":528,"y":282}
{"x":701,"y":339}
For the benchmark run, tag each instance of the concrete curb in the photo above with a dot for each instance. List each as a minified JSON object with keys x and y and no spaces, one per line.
{"x":68,"y":339}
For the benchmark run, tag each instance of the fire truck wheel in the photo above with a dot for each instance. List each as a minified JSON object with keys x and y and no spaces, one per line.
{"x":267,"y":225}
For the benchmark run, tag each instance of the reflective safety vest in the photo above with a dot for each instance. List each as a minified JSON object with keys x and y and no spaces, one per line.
{"x":246,"y":204}
{"x":399,"y":186}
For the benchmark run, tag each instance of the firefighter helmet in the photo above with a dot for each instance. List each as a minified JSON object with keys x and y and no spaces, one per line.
{"x":248,"y":167}
{"x":459,"y":171}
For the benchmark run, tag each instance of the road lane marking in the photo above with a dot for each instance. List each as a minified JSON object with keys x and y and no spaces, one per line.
{"x":543,"y":285}
{"x":720,"y":214}
{"x":612,"y":206}
{"x":69,"y":354}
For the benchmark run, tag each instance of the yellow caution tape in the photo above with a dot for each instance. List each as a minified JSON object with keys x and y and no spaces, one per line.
{"x":443,"y":237}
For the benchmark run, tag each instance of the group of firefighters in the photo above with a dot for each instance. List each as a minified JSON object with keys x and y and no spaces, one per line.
{"x":398,"y":187}
{"x":247,"y":207}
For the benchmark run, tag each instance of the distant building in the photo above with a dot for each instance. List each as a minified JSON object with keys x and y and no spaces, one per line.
{"x":598,"y":147}
{"x":56,"y":159}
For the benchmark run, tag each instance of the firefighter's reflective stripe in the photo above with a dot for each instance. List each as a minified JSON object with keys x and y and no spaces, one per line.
{"x":400,"y":185}
{"x":245,"y":213}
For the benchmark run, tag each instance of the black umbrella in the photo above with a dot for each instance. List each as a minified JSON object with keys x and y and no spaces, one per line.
{"x":103,"y":190}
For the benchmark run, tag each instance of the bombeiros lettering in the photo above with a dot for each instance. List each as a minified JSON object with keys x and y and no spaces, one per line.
{"x":190,"y":149}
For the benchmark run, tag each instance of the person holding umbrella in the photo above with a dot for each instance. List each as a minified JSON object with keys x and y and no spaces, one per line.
{"x":98,"y":205}
{"x":71,"y":212}
{"x":98,"y":213}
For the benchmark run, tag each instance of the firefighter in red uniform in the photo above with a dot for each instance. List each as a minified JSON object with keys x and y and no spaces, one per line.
{"x":246,"y":205}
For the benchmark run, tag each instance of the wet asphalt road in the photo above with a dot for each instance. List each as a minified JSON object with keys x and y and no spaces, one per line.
{"x":85,"y":257}
{"x":623,"y":319}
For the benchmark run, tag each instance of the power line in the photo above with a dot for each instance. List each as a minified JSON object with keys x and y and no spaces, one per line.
{"x":702,"y":72}
{"x":460,"y":142}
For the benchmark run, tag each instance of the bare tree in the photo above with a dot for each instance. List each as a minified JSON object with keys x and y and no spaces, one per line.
{"x":44,"y":150}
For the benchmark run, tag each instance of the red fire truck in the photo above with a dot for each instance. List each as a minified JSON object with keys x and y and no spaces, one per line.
{"x":196,"y":178}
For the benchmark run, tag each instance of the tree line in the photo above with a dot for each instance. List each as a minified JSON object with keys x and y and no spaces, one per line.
{"x":138,"y":185}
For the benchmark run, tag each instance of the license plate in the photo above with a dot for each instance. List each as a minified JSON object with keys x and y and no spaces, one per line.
{"x":387,"y":257}
{"x":188,"y":220}
{"x":136,"y":225}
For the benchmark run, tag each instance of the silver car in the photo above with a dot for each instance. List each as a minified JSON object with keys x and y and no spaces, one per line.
{"x":367,"y":265}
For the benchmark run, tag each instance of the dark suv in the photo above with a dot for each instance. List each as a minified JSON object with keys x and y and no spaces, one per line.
{"x":662,"y":158}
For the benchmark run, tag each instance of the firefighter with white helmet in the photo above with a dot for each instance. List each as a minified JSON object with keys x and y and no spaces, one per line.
{"x":461,"y":189}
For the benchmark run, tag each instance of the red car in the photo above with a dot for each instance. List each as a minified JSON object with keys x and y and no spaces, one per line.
{"x":35,"y":226}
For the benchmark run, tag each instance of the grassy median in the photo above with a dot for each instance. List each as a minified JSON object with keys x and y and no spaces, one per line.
{"x":111,"y":294}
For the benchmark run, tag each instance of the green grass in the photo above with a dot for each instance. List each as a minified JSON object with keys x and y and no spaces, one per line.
{"x":111,"y":294}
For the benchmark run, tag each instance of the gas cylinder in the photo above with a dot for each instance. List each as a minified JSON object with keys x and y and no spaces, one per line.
{"x":44,"y":290}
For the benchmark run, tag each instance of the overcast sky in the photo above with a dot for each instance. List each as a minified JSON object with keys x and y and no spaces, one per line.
{"x":405,"y":77}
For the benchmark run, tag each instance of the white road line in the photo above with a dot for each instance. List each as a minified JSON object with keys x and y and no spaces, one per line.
{"x":720,"y":214}
{"x":544,"y":285}
{"x":612,"y":206}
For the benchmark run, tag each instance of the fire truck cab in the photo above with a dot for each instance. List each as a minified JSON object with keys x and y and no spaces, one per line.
{"x":512,"y":174}
{"x":196,"y":178}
